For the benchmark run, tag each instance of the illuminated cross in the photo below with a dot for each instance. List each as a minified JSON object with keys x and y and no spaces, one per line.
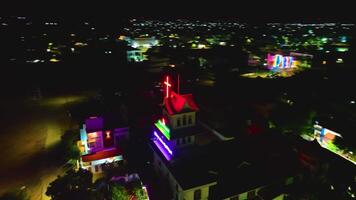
{"x":167,"y":86}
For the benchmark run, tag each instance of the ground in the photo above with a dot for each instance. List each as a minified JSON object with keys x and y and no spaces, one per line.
{"x":29,"y":129}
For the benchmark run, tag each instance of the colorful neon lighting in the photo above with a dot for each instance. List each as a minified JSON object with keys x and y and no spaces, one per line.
{"x":167,"y":86}
{"x":163,"y":121}
{"x":165,"y":150}
{"x":163,"y":143}
{"x":279,"y":61}
{"x":164,"y":129}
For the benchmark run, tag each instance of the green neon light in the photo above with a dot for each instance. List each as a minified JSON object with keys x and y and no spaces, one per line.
{"x":164,"y":129}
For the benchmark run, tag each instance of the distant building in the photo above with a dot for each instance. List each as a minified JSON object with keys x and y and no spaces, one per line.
{"x":99,"y":143}
{"x":142,"y":42}
{"x":135,"y":55}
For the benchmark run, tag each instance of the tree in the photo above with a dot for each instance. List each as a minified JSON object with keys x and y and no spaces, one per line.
{"x":73,"y":185}
{"x":139,"y":193}
{"x":119,"y":193}
{"x":295,"y":120}
{"x":68,"y":145}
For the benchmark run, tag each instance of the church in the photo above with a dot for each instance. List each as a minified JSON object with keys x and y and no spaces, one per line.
{"x":199,"y":164}
{"x":176,"y":135}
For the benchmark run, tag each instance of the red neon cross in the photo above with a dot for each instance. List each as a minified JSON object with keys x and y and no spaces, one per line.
{"x":167,"y":86}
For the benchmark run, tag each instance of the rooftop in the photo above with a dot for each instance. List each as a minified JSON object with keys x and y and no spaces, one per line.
{"x":177,"y":103}
{"x":248,"y":163}
{"x":102,"y":155}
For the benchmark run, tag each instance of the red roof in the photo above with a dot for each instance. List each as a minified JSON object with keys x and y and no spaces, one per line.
{"x":101,"y":155}
{"x":176,"y":103}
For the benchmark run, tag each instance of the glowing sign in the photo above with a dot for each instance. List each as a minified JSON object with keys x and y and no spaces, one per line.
{"x":162,"y":146}
{"x":279,"y":61}
{"x":163,"y":128}
{"x":167,"y":86}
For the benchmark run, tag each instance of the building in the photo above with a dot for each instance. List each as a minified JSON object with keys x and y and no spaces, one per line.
{"x":198,"y":164}
{"x":175,"y":136}
{"x":99,"y":143}
{"x":135,"y":55}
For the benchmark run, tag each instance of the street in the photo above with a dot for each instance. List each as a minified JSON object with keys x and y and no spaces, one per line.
{"x":29,"y":130}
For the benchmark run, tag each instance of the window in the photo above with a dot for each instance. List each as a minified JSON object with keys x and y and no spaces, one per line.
{"x":251,"y":194}
{"x":190,"y":121}
{"x":178,"y":122}
{"x":184,"y":120}
{"x":197,"y":194}
{"x":91,"y":145}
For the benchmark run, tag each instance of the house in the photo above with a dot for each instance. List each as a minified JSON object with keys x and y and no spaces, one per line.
{"x":99,"y":143}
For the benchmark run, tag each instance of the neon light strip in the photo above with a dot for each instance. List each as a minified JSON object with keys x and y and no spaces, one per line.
{"x":164,"y":144}
{"x":164,"y":129}
{"x":163,"y":150}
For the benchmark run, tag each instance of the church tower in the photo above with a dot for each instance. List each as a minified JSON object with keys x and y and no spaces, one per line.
{"x":177,"y":127}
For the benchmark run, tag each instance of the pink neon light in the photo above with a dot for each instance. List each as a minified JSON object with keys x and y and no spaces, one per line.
{"x":167,"y":86}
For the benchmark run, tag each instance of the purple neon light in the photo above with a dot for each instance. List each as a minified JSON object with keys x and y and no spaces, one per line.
{"x":162,"y":142}
{"x":162,"y":149}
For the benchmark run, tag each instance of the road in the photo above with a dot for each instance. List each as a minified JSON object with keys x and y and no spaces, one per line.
{"x":29,"y":130}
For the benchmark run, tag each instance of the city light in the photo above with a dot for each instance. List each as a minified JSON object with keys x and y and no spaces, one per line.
{"x":279,"y":61}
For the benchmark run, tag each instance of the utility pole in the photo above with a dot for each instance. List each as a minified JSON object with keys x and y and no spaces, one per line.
{"x":178,"y":85}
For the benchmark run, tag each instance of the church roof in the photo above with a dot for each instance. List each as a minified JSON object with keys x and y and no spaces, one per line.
{"x":177,"y":103}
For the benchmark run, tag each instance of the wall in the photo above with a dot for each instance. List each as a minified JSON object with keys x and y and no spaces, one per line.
{"x":174,"y":120}
{"x":164,"y":173}
{"x":189,"y":194}
{"x":177,"y":191}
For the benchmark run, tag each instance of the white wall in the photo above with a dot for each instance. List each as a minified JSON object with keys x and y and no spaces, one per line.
{"x":174,"y":120}
{"x":189,"y":194}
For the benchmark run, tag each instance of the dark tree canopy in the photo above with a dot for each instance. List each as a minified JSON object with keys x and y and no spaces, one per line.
{"x":73,"y":185}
